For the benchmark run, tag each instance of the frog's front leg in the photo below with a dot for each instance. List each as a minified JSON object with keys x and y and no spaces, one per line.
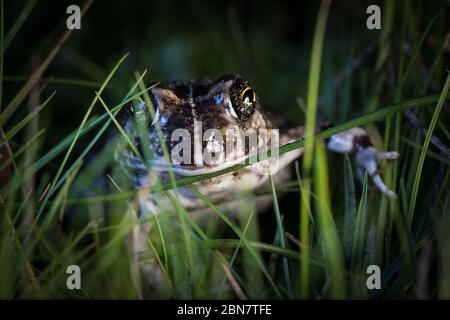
{"x":357,"y":142}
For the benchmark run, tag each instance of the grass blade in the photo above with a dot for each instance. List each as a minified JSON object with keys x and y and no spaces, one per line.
{"x":313,"y":92}
{"x":350,"y":208}
{"x":359,"y":240}
{"x":25,"y":120}
{"x":426,"y":143}
{"x":334,"y":260}
{"x":287,"y":277}
{"x":18,"y":23}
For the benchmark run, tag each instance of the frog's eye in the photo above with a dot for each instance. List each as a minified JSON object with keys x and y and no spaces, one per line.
{"x":243,"y":99}
{"x":248,"y":96}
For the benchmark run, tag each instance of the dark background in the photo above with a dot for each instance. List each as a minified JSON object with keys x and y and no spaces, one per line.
{"x":266,"y":42}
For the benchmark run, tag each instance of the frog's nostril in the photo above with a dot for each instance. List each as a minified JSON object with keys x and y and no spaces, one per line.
{"x":218,"y":99}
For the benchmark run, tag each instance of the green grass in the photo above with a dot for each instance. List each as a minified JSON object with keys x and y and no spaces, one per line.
{"x":426,"y":143}
{"x":310,"y":125}
{"x":316,"y":247}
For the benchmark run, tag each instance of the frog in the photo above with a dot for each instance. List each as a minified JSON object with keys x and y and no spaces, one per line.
{"x":227,"y":104}
{"x":170,"y":117}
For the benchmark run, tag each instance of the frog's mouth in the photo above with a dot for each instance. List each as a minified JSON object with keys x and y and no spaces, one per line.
{"x":265,"y":166}
{"x":160,"y":165}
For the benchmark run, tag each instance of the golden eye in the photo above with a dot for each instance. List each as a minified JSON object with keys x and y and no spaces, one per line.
{"x":243,"y":99}
{"x":248,"y":95}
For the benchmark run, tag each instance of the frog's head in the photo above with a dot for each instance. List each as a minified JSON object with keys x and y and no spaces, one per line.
{"x":201,"y":122}
{"x":230,"y":101}
{"x":200,"y":111}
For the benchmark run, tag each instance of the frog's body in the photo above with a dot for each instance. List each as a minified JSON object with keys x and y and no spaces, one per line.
{"x":225,"y":104}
